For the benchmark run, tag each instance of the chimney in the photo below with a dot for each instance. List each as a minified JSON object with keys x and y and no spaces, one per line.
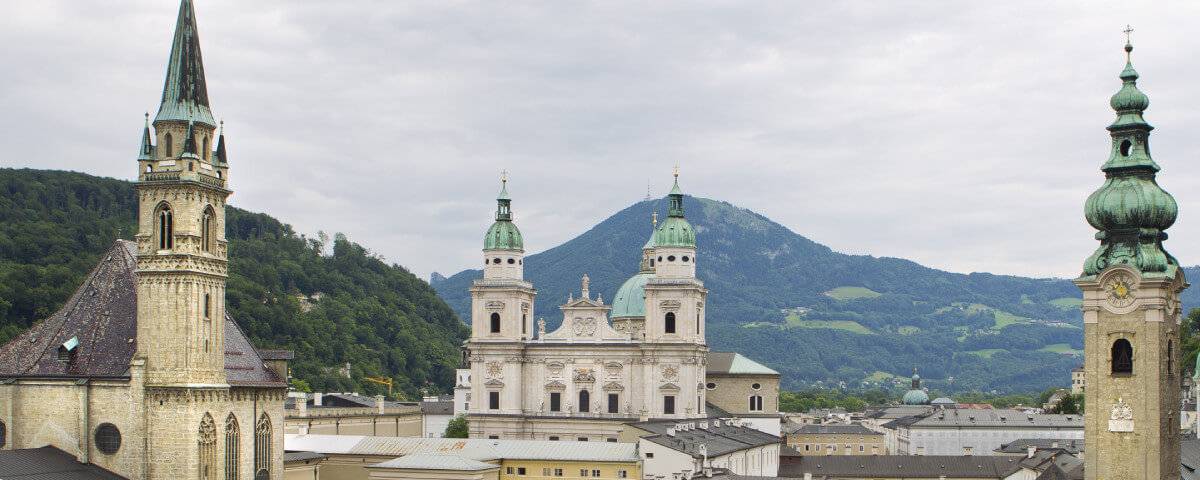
{"x":317,"y":399}
{"x":379,"y":403}
{"x":1053,"y":444}
{"x":1030,"y":451}
{"x":671,"y":432}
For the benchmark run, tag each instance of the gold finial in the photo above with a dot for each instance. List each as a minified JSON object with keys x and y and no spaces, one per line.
{"x":1128,"y":42}
{"x":504,"y":176}
{"x":676,"y":172}
{"x":654,"y":219}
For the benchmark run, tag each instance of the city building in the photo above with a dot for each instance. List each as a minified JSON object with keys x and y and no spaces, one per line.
{"x":744,"y":389}
{"x":1037,"y":465}
{"x":1131,"y":307}
{"x":302,"y":465}
{"x":979,"y":432}
{"x":351,"y":457}
{"x":353,"y":414}
{"x":834,"y":439}
{"x":142,"y":372}
{"x":436,"y":413}
{"x":587,"y":378}
{"x":679,"y":449}
{"x":1077,"y":380}
{"x":1022,"y":446}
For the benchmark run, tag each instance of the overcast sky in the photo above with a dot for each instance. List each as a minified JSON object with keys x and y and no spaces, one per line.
{"x":962,"y":136}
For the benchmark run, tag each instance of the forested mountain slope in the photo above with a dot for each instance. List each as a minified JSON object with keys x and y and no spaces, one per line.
{"x":823,"y":317}
{"x":332,"y":304}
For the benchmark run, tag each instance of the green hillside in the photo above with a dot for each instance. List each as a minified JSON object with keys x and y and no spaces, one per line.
{"x":821,"y":317}
{"x":331,"y":303}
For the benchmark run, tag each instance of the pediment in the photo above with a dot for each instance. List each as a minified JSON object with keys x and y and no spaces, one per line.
{"x":555,"y":385}
{"x":614,"y":387}
{"x":495,"y":382}
{"x":669,"y":386}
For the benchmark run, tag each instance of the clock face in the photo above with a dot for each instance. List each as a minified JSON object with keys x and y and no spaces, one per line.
{"x":1120,"y":291}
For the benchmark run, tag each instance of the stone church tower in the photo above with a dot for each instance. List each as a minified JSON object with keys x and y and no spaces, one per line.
{"x":181,"y":260}
{"x":1131,"y":309}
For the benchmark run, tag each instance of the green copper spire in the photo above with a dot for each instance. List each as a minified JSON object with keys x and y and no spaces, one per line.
{"x":185,"y":95}
{"x":503,"y":235}
{"x":146,"y":151}
{"x":1130,"y":210}
{"x":220,"y":153}
{"x":675,"y":231}
{"x":189,"y":142}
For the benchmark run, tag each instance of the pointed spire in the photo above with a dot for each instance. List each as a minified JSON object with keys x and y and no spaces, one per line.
{"x":146,"y":152}
{"x":185,"y":94}
{"x":503,"y":201}
{"x":189,"y":142}
{"x":675,"y":198}
{"x":221,"y":146}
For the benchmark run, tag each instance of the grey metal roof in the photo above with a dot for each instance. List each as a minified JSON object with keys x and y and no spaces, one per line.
{"x":1069,"y":445}
{"x":958,"y":418}
{"x":436,"y":461}
{"x":290,"y":457}
{"x":899,"y":411}
{"x":903,"y":466}
{"x":718,"y":437}
{"x":837,"y":429}
{"x":473,"y":448}
{"x":440,"y":407}
{"x":1189,"y":456}
{"x":733,"y":363}
{"x":102,"y":314}
{"x":48,"y":463}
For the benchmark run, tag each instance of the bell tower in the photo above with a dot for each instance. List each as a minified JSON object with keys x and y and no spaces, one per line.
{"x":1131,"y":309}
{"x":675,"y":298}
{"x":181,"y":258}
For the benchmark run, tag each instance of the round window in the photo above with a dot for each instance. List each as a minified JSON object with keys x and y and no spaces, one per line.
{"x":108,"y":438}
{"x":511,"y":261}
{"x":685,"y":259}
{"x":496,"y":261}
{"x":756,"y":386}
{"x":660,"y":258}
{"x":670,"y":258}
{"x":710,"y":385}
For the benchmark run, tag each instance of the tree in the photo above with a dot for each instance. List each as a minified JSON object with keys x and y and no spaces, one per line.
{"x":457,"y":428}
{"x":1070,"y":404}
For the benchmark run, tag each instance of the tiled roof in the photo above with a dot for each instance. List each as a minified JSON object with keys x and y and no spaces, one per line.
{"x":1069,"y":445}
{"x":899,"y":411}
{"x":957,"y":418}
{"x":733,"y":363}
{"x":718,"y":438}
{"x":436,"y":461}
{"x":268,"y":354}
{"x":904,"y":466}
{"x":440,"y":407}
{"x":102,"y":316}
{"x":1189,"y":456}
{"x":48,"y":463}
{"x":289,"y":457}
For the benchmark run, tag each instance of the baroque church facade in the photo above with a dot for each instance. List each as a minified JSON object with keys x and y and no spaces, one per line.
{"x":1131,"y":309}
{"x":606,"y":365}
{"x":142,"y":372}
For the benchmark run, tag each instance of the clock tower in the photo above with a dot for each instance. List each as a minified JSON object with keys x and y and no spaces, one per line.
{"x":1131,"y":310}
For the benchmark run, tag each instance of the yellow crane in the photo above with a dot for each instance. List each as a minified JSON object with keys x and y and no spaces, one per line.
{"x":381,"y":381}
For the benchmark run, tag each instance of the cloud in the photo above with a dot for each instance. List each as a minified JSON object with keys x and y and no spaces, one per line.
{"x":962,"y":136}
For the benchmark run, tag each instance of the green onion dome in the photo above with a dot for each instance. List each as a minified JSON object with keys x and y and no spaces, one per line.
{"x":1130,"y":202}
{"x":504,"y":234}
{"x":1129,"y":97}
{"x":916,"y":397}
{"x":675,"y":231}
{"x":631,"y":297}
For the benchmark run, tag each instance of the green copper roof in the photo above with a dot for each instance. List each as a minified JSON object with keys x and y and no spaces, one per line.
{"x":916,"y":397}
{"x":146,"y":150}
{"x":733,"y":363}
{"x":185,"y":95}
{"x":675,"y":231}
{"x":631,"y":297}
{"x":504,"y":234}
{"x":1130,"y":210}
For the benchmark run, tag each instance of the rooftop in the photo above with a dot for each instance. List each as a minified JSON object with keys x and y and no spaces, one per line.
{"x":717,"y":437}
{"x":837,"y":429}
{"x":472,"y":448}
{"x":289,"y":457}
{"x":733,"y":363}
{"x":436,"y":461}
{"x":1069,"y":445}
{"x":954,"y":418}
{"x":48,"y":463}
{"x":903,"y":466}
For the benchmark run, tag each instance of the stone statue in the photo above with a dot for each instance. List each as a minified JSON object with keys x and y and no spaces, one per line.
{"x":541,"y":327}
{"x":586,"y":282}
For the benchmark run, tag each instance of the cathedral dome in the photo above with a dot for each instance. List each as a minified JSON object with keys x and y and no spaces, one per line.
{"x":631,"y":297}
{"x":675,"y":232}
{"x":503,"y":235}
{"x":916,"y":397}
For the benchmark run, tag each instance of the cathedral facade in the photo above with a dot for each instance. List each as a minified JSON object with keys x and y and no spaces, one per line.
{"x":142,"y":372}
{"x":606,"y":365}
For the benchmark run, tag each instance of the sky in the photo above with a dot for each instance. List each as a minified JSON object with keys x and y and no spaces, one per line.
{"x":961,"y":135}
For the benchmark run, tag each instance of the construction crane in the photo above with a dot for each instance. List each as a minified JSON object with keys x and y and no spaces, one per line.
{"x":381,"y":381}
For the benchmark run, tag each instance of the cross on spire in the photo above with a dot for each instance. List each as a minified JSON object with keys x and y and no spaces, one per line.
{"x":504,"y":176}
{"x":1128,"y":33}
{"x":1128,"y":43}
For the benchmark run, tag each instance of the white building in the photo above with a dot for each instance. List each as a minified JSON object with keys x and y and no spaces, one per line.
{"x":689,"y":448}
{"x":589,"y":376}
{"x":978,"y":431}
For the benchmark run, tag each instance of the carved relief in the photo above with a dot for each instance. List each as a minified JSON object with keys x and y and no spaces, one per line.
{"x":584,"y":375}
{"x":555,"y":385}
{"x":669,"y":304}
{"x":585,"y":327}
{"x":494,"y":370}
{"x":670,"y":373}
{"x":613,"y":387}
{"x":494,"y":305}
{"x":1120,"y":419}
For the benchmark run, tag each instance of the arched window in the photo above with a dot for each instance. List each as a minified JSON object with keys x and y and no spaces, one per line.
{"x":207,"y":231}
{"x":495,"y":322}
{"x":262,"y":448}
{"x":207,"y":306}
{"x":585,"y":401}
{"x":1170,"y":356}
{"x":670,"y":322}
{"x":168,"y":146}
{"x":1122,"y":357}
{"x":524,"y":317}
{"x":233,"y":448}
{"x":166,"y":227}
{"x":208,"y":448}
{"x":206,"y":150}
{"x":756,"y":403}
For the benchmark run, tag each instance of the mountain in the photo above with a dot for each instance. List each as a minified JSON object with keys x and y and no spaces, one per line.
{"x":285,"y":291}
{"x":821,"y":317}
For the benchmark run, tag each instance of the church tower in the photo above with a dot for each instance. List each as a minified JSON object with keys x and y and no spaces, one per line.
{"x":502,"y":302}
{"x":1131,"y":310}
{"x":674,"y":297}
{"x":181,"y":260}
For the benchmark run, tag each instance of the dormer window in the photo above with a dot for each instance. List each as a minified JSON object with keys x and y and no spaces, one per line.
{"x":66,"y":351}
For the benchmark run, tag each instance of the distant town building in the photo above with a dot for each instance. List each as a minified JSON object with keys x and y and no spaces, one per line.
{"x":835,"y":440}
{"x":678,"y":449}
{"x":352,"y":414}
{"x":978,"y":432}
{"x":1077,"y":380}
{"x":744,"y":389}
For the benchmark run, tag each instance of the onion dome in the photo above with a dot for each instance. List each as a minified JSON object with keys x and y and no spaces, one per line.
{"x":503,"y":235}
{"x":916,"y":396}
{"x":1130,"y":210}
{"x":675,"y":231}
